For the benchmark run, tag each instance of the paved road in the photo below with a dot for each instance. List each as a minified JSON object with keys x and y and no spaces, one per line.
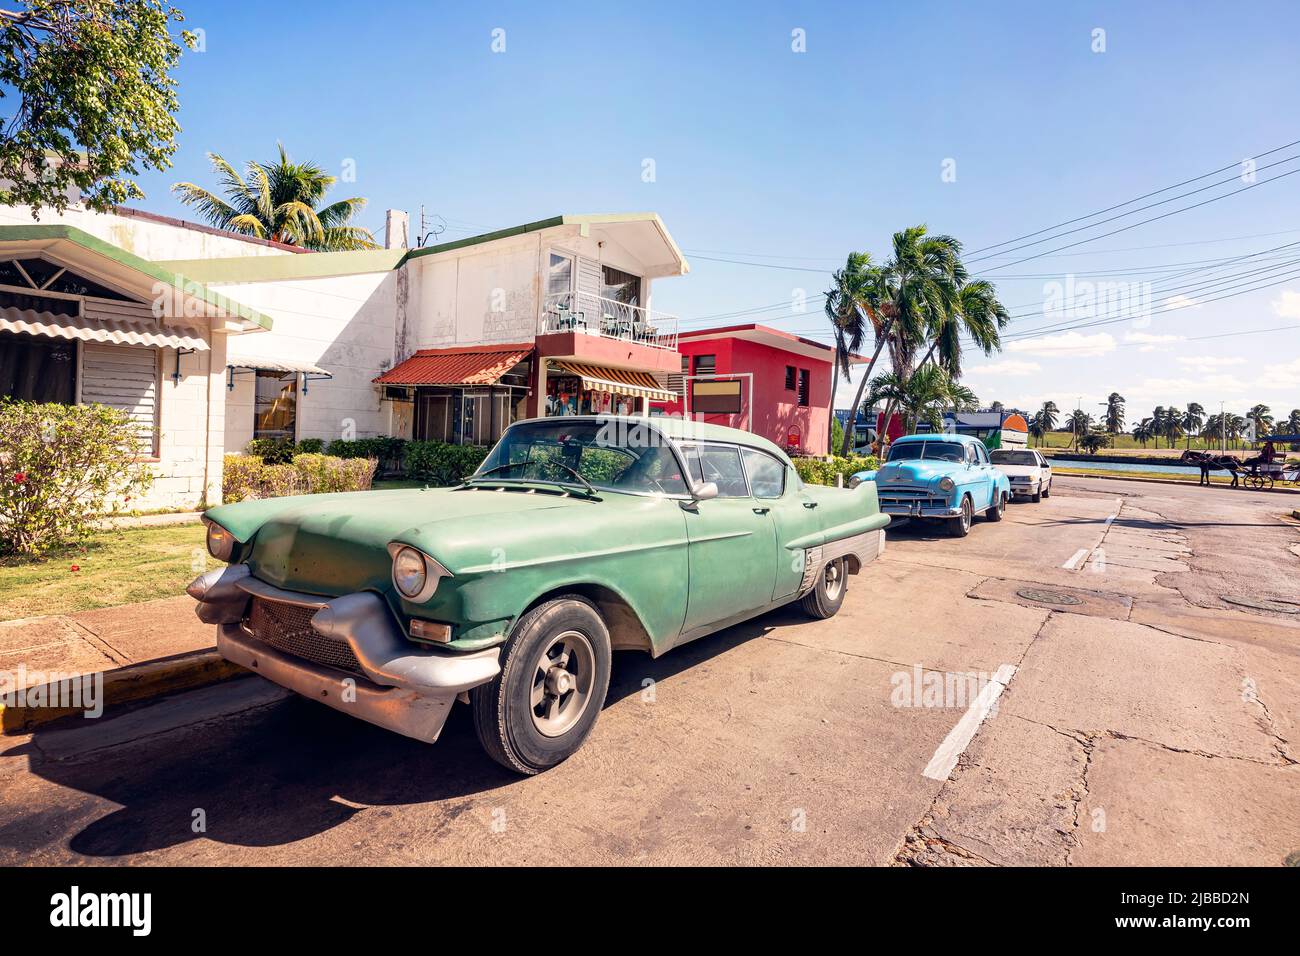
{"x":1150,"y":722}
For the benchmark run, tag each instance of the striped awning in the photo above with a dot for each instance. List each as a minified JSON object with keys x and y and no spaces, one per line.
{"x":109,"y":331}
{"x":472,"y":365}
{"x":275,"y":365}
{"x":619,"y":380}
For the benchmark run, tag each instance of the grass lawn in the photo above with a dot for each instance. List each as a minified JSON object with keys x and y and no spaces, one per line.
{"x":1127,"y":443}
{"x":114,"y":567}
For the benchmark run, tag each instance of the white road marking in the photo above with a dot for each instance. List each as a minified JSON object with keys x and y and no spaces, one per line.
{"x":945,"y":758}
{"x":1080,"y":555}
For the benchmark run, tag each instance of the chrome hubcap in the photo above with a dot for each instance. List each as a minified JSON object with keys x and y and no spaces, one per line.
{"x":965,"y":514}
{"x":561,"y":688}
{"x":834,"y":579}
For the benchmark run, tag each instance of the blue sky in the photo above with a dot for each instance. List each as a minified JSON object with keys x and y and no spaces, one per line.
{"x":791,"y":159}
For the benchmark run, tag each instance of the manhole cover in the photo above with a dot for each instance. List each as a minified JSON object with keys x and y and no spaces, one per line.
{"x":1048,"y":597}
{"x":1279,"y":607}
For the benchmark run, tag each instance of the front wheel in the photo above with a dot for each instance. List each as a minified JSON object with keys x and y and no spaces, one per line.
{"x":554,"y":676}
{"x":1047,"y":492}
{"x":959,"y":526}
{"x":827,"y":595}
{"x":998,"y":508}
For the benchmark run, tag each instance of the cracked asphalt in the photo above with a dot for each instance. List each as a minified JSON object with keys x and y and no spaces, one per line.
{"x":1148,"y":721}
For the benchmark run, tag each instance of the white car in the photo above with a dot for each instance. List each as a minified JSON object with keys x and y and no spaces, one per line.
{"x":1028,"y":471}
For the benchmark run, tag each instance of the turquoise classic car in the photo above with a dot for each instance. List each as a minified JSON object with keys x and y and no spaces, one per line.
{"x":576,"y":537}
{"x":943,"y":476}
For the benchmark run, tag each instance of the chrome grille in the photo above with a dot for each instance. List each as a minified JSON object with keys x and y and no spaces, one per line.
{"x":287,"y":627}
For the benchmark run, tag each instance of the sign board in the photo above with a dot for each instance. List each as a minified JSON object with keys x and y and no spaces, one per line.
{"x":715,"y":396}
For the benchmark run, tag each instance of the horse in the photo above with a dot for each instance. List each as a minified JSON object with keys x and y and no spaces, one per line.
{"x":1208,"y":462}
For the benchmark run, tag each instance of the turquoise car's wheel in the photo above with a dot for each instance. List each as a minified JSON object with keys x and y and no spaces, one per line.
{"x":552,"y":685}
{"x":997,"y":509}
{"x":827,"y":595}
{"x":959,"y":526}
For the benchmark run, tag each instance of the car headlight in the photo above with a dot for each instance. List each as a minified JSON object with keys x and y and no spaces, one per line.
{"x":221,"y":543}
{"x":946,"y":484}
{"x":410,"y":574}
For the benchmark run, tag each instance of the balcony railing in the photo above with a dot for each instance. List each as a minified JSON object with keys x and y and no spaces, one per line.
{"x":608,"y":318}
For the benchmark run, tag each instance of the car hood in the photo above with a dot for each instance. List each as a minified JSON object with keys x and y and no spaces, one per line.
{"x":336,"y":544}
{"x":914,"y":472}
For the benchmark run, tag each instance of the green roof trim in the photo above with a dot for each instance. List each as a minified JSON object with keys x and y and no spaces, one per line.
{"x":317,"y":265}
{"x":152,"y":270}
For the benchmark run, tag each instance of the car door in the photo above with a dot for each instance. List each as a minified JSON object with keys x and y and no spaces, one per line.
{"x":1046,"y":475}
{"x":731,"y":541}
{"x":982,"y":475}
{"x":774,"y":485}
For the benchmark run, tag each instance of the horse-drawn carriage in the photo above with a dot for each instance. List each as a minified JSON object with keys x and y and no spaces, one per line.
{"x":1256,"y":473}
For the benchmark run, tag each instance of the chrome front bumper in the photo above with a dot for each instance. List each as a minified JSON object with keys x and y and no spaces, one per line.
{"x":399,"y":685}
{"x":915,"y":509}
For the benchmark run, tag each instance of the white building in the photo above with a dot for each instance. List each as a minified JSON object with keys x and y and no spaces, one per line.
{"x":211,"y":339}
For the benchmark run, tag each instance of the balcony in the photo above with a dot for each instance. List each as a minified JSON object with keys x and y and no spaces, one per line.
{"x":586,"y":313}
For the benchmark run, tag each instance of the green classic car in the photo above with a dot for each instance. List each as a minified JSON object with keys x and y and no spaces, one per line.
{"x":576,"y":537}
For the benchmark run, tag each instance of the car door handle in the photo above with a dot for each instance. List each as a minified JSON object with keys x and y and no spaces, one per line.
{"x":810,"y":504}
{"x":761,"y":511}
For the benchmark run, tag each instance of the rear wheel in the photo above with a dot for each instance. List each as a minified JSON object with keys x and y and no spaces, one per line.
{"x":998,"y":508}
{"x":959,"y":526}
{"x":554,"y":677}
{"x":827,"y":595}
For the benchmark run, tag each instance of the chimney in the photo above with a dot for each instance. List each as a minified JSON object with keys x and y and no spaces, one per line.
{"x":395,"y":226}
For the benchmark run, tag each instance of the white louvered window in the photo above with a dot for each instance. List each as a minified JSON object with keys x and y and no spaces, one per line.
{"x":126,"y":378}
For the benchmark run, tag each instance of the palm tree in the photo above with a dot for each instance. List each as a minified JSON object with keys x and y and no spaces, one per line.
{"x":1115,"y":413}
{"x":1158,"y":421}
{"x":279,"y":201}
{"x":1193,"y":419}
{"x":978,"y":314}
{"x":911,"y":292}
{"x":1235,"y":426}
{"x":1144,"y":431}
{"x":1037,"y":430}
{"x":844,"y":308}
{"x":1080,"y":423}
{"x":1047,"y":415}
{"x":927,"y":393}
{"x":1173,"y":425}
{"x":1293,"y":422}
{"x":1262,"y":416}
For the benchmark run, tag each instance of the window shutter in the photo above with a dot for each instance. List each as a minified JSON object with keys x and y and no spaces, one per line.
{"x":125,"y":378}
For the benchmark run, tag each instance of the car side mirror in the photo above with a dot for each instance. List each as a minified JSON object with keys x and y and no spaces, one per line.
{"x":705,"y":491}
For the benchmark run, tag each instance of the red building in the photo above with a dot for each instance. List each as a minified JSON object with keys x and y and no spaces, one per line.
{"x":781,"y":383}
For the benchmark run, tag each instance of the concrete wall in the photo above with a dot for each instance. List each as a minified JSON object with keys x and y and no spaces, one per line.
{"x":493,"y":292}
{"x":345,"y":325}
{"x":145,"y":237}
{"x":191,"y":424}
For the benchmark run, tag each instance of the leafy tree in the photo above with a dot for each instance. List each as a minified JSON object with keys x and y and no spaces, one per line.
{"x":279,"y":201}
{"x":1262,"y":416}
{"x":1036,"y":429}
{"x":1293,"y":422}
{"x":1115,"y":413}
{"x":1079,"y":423}
{"x":1144,"y":431}
{"x":1193,"y":420}
{"x":1095,"y":440}
{"x":92,"y":99}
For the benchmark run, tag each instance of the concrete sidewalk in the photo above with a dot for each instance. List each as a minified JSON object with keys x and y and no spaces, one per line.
{"x":143,"y":650}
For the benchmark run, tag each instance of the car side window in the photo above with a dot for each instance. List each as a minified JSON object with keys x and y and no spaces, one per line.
{"x":719,"y":464}
{"x":766,"y":474}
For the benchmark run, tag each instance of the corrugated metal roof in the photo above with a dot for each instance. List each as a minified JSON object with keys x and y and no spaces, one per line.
{"x":475,"y":365}
{"x":275,"y":365}
{"x":621,"y":380}
{"x":112,"y":331}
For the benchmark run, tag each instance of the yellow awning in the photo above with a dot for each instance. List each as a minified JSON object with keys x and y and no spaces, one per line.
{"x":621,"y":381}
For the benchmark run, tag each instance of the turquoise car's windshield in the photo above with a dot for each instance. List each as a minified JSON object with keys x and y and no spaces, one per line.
{"x":619,"y":459}
{"x":929,"y":450}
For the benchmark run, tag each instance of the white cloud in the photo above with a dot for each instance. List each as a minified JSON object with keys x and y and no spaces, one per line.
{"x":1284,"y":375}
{"x":1065,"y":345}
{"x":1004,"y":367}
{"x":1149,"y":341}
{"x":1207,"y":363}
{"x":1179,"y":301}
{"x":1287,"y":305}
{"x":1167,"y":390}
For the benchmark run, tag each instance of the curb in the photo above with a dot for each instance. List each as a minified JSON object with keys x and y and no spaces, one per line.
{"x":124,"y":685}
{"x":1172,"y":481}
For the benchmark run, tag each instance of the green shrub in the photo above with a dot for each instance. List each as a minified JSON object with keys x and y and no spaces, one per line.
{"x":441,"y":463}
{"x":247,"y":476}
{"x":382,"y":447}
{"x":61,"y":467}
{"x":822,"y":471}
{"x":310,"y":446}
{"x":273,"y":451}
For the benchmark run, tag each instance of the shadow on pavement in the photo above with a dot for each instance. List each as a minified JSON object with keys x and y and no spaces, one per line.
{"x":283,"y":772}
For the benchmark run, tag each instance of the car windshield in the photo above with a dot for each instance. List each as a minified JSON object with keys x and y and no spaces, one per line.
{"x":619,"y":455}
{"x":929,"y":450}
{"x":1001,"y":457}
